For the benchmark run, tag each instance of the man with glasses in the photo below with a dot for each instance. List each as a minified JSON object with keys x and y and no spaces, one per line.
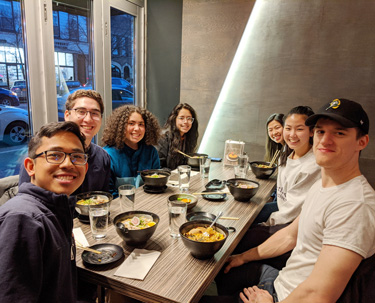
{"x":37,"y":249}
{"x":85,"y":108}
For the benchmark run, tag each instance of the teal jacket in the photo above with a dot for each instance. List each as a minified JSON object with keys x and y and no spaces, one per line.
{"x":127,"y":163}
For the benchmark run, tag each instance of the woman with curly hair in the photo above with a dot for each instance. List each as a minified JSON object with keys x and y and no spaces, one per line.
{"x":180,"y":133}
{"x":129,"y":135}
{"x":275,"y":139}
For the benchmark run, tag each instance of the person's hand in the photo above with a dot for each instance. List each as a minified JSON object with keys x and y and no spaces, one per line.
{"x":234,"y":261}
{"x":255,"y":295}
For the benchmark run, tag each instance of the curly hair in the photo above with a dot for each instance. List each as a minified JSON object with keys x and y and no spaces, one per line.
{"x":298,"y":110}
{"x":272,"y":146}
{"x":81,"y":93}
{"x":115,"y":127}
{"x":191,"y":137}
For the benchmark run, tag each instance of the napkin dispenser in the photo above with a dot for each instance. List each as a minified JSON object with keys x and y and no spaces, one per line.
{"x":232,"y":150}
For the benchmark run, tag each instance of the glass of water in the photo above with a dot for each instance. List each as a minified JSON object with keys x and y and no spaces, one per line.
{"x":177,"y":216}
{"x":204,"y":167}
{"x":99,"y":220}
{"x":184,"y":177}
{"x":126,"y":194}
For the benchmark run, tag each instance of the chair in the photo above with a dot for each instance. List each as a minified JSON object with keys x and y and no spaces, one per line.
{"x":8,"y":188}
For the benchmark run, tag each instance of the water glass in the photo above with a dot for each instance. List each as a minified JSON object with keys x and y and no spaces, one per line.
{"x":99,"y":220}
{"x":241,"y":169}
{"x":126,"y":194}
{"x":177,"y":216}
{"x":184,"y":177}
{"x":204,"y":166}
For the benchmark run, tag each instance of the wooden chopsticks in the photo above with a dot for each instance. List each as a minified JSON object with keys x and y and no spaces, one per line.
{"x":186,"y":155}
{"x":229,"y":218}
{"x":213,"y":193}
{"x":274,"y":158}
{"x":79,"y":245}
{"x":88,"y":249}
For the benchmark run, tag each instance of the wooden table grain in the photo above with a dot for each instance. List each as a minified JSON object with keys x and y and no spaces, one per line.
{"x":176,"y":276}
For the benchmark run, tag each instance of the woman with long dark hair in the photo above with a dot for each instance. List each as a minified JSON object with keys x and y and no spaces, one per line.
{"x":180,"y":132}
{"x":275,"y":138}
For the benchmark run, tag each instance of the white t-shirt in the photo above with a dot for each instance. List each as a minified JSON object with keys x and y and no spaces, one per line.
{"x":342,"y":216}
{"x":294,"y":180}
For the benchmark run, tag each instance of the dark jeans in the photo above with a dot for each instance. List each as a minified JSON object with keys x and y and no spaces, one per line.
{"x":267,"y":277}
{"x":250,"y":274}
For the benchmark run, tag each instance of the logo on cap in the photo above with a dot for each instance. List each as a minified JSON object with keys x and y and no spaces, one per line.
{"x":334,"y":104}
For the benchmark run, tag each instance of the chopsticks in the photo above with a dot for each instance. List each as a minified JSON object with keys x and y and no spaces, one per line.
{"x":186,"y":155}
{"x":212,"y":193}
{"x":88,"y":249}
{"x":79,"y":245}
{"x":229,"y":218}
{"x":274,"y":158}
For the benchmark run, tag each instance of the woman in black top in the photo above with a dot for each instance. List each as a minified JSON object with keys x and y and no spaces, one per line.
{"x":180,"y":133}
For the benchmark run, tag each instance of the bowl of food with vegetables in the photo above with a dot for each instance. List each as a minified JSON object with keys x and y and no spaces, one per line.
{"x":202,"y":240}
{"x":155,"y":177}
{"x":136,"y":227}
{"x":190,"y":200}
{"x":91,"y":198}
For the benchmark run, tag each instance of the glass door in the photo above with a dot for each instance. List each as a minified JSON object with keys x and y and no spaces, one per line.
{"x":123,"y":53}
{"x":73,"y":48}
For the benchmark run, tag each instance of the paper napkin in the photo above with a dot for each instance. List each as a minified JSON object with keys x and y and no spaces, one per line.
{"x":138,"y":264}
{"x":80,"y":237}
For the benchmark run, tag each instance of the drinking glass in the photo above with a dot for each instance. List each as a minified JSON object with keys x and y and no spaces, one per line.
{"x":184,"y":177}
{"x":99,"y":220}
{"x":126,"y":194}
{"x":241,"y":169}
{"x":204,"y":166}
{"x":177,"y":216}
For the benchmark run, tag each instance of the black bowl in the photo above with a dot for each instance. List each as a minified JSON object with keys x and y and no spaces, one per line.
{"x":135,"y":237}
{"x":190,"y":205}
{"x":262,"y":172}
{"x":194,"y":162}
{"x":242,"y":194}
{"x":84,"y":209}
{"x":155,"y":182}
{"x":202,"y":250}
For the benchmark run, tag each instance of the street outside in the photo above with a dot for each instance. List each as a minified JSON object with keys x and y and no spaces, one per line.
{"x":12,"y":156}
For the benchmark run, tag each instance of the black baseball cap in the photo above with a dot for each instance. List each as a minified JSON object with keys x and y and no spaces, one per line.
{"x":348,"y":113}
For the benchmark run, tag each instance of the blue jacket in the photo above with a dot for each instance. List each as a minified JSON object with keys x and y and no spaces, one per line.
{"x":126,"y":163}
{"x":37,"y":250}
{"x":98,"y":172}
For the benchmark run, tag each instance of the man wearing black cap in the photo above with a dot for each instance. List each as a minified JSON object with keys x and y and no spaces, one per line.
{"x":335,"y":230}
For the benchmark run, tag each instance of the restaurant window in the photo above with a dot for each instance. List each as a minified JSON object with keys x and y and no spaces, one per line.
{"x":122,"y":55}
{"x":73,"y":49}
{"x":15,"y":123}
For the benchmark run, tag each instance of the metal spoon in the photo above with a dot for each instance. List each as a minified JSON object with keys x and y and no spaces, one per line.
{"x":206,"y":234}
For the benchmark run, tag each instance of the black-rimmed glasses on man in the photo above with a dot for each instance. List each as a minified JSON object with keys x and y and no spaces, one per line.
{"x":58,"y":157}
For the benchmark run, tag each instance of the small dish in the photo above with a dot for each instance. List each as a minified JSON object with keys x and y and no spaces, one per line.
{"x":110,"y":254}
{"x":200,"y":215}
{"x":214,"y":197}
{"x":216,"y":184}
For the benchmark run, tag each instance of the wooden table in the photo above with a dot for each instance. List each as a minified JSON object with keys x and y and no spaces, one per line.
{"x":176,"y":276}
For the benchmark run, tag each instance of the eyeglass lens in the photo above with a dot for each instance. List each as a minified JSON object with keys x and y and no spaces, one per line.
{"x":58,"y":157}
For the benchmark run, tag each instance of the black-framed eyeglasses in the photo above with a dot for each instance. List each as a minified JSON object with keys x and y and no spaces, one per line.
{"x":81,"y":113}
{"x":58,"y":157}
